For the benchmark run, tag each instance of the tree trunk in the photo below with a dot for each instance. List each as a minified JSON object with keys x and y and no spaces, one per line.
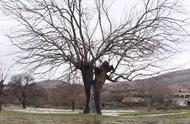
{"x":1,"y":102}
{"x":87,"y":75}
{"x":1,"y":106}
{"x":23,"y":104}
{"x":92,"y":102}
{"x":97,"y":98}
{"x":92,"y":92}
{"x":73,"y":105}
{"x":1,"y":91}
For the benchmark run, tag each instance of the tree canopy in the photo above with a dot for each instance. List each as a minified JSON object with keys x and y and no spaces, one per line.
{"x":52,"y":33}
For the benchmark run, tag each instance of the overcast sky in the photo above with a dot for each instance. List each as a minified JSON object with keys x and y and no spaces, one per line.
{"x":179,"y":61}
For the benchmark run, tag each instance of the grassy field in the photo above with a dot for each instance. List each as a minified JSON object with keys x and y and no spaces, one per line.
{"x":124,"y":118}
{"x":153,"y":112}
{"x":28,"y":118}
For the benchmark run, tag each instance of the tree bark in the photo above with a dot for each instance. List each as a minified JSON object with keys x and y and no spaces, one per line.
{"x":73,"y":105}
{"x":1,"y":102}
{"x":87,"y":75}
{"x":92,"y":102}
{"x":23,"y":104}
{"x":1,"y":106}
{"x":97,"y":98}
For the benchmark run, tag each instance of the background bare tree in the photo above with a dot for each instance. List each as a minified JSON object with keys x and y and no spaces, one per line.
{"x":156,"y":94}
{"x":78,"y":34}
{"x":21,"y":87}
{"x":3,"y":76}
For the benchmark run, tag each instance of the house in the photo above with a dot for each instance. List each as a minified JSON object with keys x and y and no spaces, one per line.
{"x":180,"y":95}
{"x":132,"y":99}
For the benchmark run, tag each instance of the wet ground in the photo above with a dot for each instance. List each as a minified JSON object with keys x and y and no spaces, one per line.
{"x":63,"y":111}
{"x":61,"y":116}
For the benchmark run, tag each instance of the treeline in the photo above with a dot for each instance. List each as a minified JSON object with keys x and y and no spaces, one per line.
{"x":22,"y":90}
{"x":65,"y":96}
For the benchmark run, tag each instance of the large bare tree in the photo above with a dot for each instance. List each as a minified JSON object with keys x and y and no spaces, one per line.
{"x":80,"y":35}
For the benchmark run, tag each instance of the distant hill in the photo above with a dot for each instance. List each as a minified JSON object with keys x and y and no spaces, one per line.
{"x":119,"y":86}
{"x":50,"y":84}
{"x":177,"y":77}
{"x":182,"y":77}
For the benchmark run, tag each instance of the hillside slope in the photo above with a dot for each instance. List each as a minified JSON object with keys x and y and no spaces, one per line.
{"x":182,"y":77}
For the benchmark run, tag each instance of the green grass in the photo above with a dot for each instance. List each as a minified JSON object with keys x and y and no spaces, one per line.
{"x":128,"y":118}
{"x":165,"y":119}
{"x":152,"y":112}
{"x":178,"y":117}
{"x":28,"y":118}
